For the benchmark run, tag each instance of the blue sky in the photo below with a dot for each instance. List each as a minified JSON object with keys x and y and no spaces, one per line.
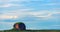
{"x":36,"y":14}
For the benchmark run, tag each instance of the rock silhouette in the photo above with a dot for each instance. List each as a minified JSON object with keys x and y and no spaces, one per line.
{"x":19,"y":26}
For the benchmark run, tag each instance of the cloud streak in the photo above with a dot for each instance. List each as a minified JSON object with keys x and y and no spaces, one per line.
{"x":10,"y":5}
{"x":24,"y":12}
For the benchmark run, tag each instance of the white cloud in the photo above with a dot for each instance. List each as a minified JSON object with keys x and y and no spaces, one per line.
{"x":19,"y":0}
{"x":8,"y":17}
{"x":42,"y":14}
{"x":24,"y":12}
{"x":14,"y":14}
{"x":12,"y":0}
{"x":10,"y":5}
{"x":8,"y":0}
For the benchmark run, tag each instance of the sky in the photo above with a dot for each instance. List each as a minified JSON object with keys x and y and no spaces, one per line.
{"x":36,"y":14}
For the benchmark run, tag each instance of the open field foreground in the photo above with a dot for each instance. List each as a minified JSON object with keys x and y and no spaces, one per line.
{"x":33,"y":31}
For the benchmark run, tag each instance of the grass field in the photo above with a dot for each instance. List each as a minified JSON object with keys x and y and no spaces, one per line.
{"x":32,"y":31}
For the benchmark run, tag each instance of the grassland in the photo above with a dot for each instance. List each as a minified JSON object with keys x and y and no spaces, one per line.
{"x":32,"y":31}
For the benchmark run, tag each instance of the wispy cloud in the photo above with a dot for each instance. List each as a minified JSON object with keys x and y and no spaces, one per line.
{"x":14,"y":14}
{"x":8,"y":0}
{"x":42,"y":14}
{"x":24,"y":12}
{"x":10,"y":5}
{"x":8,"y":17}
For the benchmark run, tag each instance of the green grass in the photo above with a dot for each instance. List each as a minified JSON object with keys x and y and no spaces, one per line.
{"x":32,"y":31}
